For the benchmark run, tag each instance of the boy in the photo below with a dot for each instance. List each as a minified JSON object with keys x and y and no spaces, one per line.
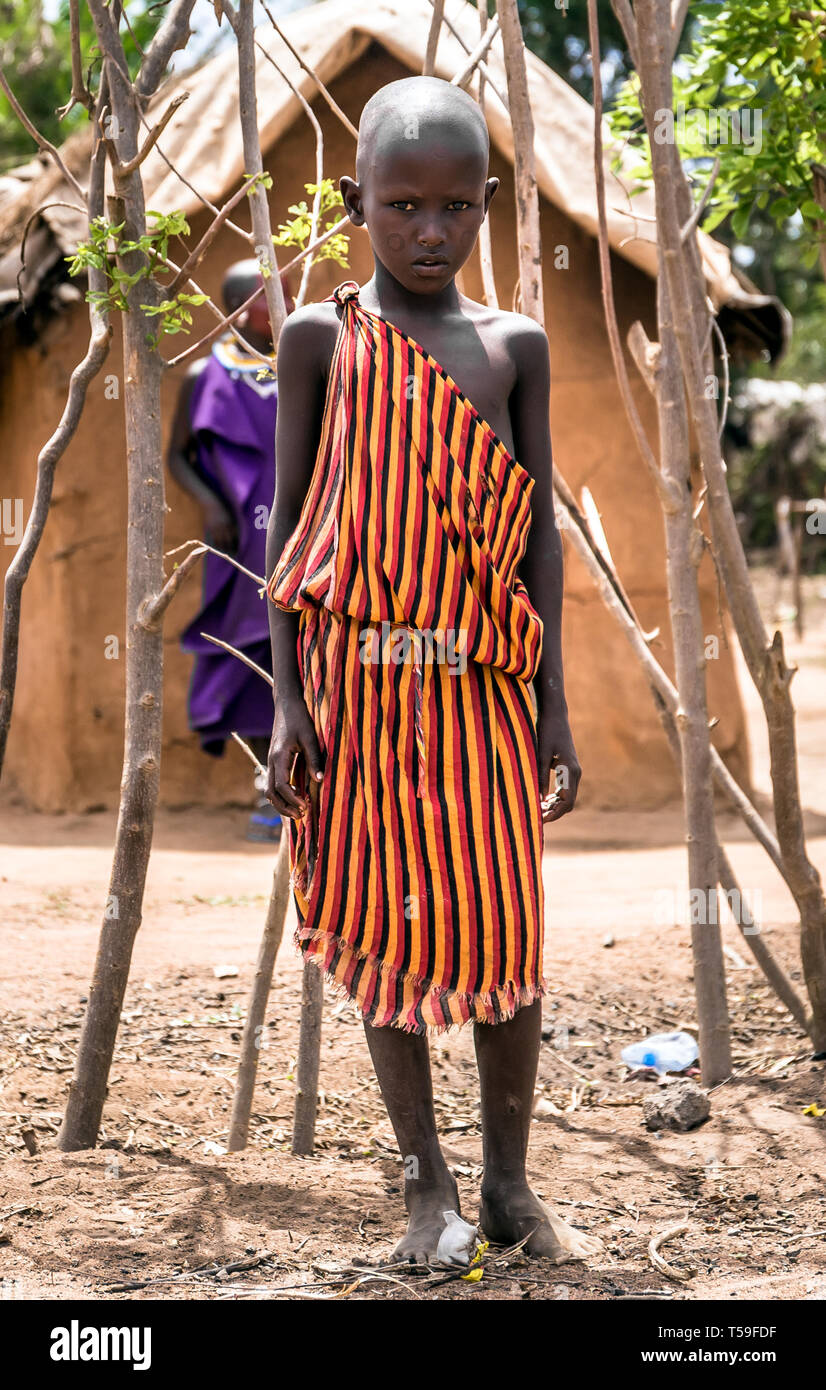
{"x":412,"y":787}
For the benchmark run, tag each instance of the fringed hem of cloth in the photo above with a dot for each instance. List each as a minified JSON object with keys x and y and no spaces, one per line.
{"x":373,"y":987}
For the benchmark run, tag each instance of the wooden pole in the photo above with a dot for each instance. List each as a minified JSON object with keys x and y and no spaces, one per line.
{"x":307,"y":1066}
{"x":253,"y":1034}
{"x":528,"y":234}
{"x":684,"y":549}
{"x":142,"y":371}
{"x":485,"y":247}
{"x":764,"y":659}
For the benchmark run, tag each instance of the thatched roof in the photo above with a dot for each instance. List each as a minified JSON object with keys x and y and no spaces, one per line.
{"x":203,"y":143}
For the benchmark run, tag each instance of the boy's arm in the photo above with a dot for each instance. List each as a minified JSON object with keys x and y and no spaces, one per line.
{"x":301,"y":389}
{"x":541,"y":566}
{"x":219,"y":524}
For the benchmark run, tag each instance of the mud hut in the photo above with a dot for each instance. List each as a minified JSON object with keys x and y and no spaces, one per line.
{"x":65,"y":746}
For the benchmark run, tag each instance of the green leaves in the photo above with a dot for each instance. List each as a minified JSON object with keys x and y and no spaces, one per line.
{"x":105,"y":251}
{"x":297,"y":231}
{"x":751,"y":91}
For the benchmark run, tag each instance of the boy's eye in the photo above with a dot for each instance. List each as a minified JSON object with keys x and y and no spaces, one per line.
{"x":458,"y":205}
{"x":403,"y":204}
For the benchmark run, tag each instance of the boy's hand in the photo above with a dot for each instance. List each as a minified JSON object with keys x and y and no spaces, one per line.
{"x":219,"y":526}
{"x":293,"y":733}
{"x":557,"y":755}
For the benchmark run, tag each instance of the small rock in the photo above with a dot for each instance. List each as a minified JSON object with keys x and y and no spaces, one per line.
{"x":545,"y":1109}
{"x":681,"y":1106}
{"x":608,"y":941}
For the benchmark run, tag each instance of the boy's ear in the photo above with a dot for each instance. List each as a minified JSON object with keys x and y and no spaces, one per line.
{"x":351,"y":194}
{"x":490,"y":188}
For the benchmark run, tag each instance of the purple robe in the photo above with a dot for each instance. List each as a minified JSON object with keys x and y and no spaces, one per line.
{"x":233,"y":421}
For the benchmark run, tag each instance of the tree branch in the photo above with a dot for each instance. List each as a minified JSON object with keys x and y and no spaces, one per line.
{"x":225,"y":321}
{"x":485,"y":248}
{"x":679,"y":10}
{"x":665,"y":491}
{"x":195,"y":257}
{"x":243,"y":23}
{"x":483,"y":68}
{"x":79,"y":93}
{"x":433,"y":38}
{"x":151,"y":612}
{"x":172,"y":34}
{"x":131,"y":164}
{"x":333,"y":105}
{"x":319,"y":173}
{"x":529,"y":235}
{"x":259,"y":670}
{"x":694,"y":220}
{"x":628,"y":24}
{"x":464,"y":75}
{"x":40,"y":140}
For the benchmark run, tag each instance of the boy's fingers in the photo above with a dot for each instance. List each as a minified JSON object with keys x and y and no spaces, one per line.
{"x":556,"y":805}
{"x":280,"y":793}
{"x":312,"y":754}
{"x":284,"y":801}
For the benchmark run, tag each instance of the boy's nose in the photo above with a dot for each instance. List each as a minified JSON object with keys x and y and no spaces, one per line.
{"x":430,"y":236}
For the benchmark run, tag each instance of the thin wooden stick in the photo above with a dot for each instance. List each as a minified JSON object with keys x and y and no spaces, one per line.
{"x":247,"y":660}
{"x":694,"y":220}
{"x":243,"y":23}
{"x":679,"y":1276}
{"x":483,"y":68}
{"x":79,"y":93}
{"x":319,"y":174}
{"x":433,"y":38}
{"x":195,"y":257}
{"x":307,"y":1065}
{"x":40,"y":140}
{"x":151,"y":612}
{"x":253,"y":1036}
{"x":666,"y":492}
{"x":485,"y":248}
{"x":154,"y":134}
{"x":527,"y":196}
{"x":465,"y":73}
{"x":333,"y":105}
{"x":683,"y":552}
{"x":765,"y":661}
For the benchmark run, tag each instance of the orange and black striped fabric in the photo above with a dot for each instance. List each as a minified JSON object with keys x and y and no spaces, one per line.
{"x":417,"y":872}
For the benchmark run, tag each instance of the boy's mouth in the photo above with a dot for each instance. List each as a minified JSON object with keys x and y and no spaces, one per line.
{"x":430,"y":265}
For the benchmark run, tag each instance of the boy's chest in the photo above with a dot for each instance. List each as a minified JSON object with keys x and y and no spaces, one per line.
{"x":482,"y":367}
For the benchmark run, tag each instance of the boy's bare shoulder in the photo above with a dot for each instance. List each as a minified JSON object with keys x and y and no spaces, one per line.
{"x":309,"y":335}
{"x":522,"y":336}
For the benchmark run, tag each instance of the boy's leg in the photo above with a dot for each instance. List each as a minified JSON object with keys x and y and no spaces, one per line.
{"x":402,"y":1065}
{"x":507,"y":1055}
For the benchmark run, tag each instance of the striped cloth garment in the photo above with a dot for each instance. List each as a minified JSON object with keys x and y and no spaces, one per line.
{"x":416,"y":871}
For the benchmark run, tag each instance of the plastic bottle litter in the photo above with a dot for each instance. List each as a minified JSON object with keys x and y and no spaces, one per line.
{"x":662,"y":1052}
{"x":457,"y":1241}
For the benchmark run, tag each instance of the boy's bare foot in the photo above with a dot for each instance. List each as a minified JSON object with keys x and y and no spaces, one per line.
{"x":426,"y":1206}
{"x":509,"y":1212}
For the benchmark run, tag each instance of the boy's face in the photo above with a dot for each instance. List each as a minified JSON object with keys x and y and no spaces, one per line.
{"x":423,"y":201}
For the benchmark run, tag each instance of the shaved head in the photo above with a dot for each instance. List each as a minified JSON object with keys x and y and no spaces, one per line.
{"x":414,"y":109}
{"x":240,"y":282}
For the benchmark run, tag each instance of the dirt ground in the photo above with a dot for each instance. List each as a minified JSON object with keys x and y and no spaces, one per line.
{"x":160,"y":1203}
